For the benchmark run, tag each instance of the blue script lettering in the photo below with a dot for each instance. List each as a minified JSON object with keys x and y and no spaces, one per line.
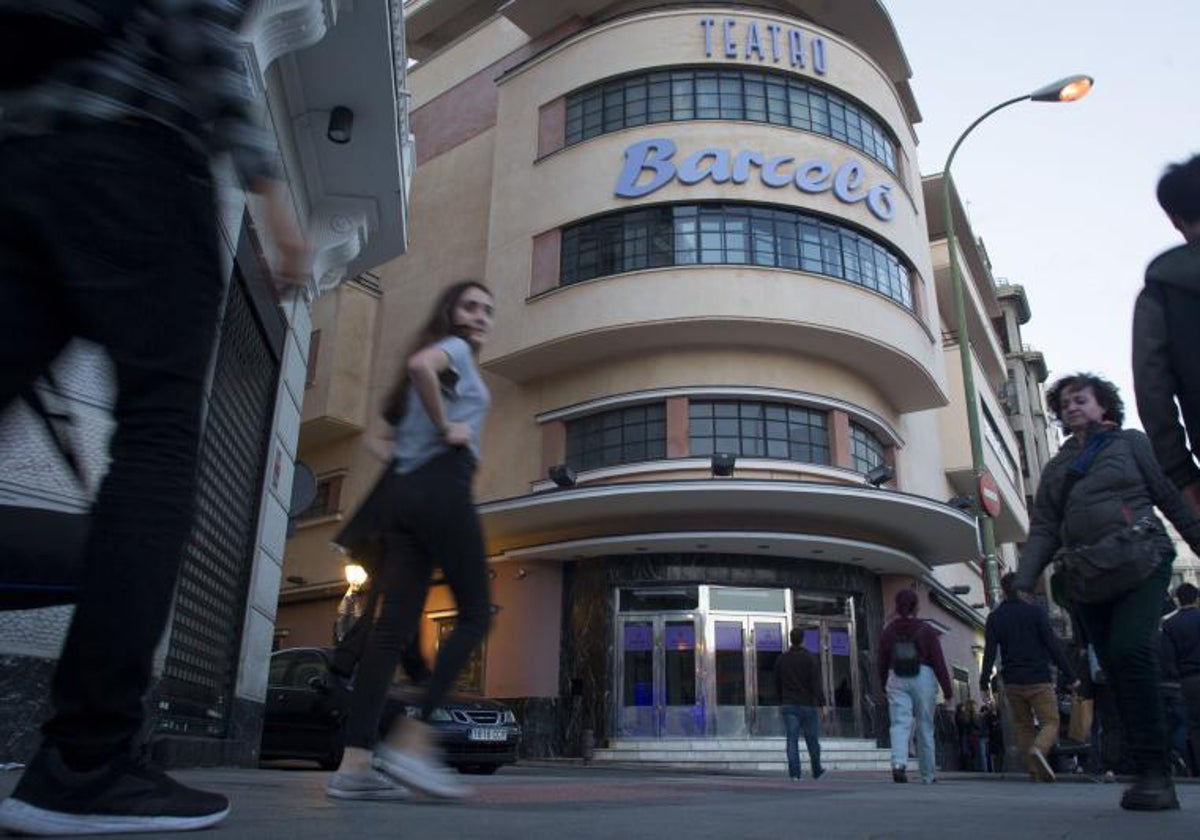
{"x":848,"y":182}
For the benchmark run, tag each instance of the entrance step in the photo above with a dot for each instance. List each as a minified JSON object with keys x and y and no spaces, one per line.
{"x":742,"y":754}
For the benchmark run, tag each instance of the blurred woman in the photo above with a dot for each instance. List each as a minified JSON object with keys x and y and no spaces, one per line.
{"x":1104,"y":479}
{"x":437,"y":410}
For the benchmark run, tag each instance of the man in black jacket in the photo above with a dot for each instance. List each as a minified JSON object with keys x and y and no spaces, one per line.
{"x":1022,"y":632}
{"x":802,"y":703}
{"x":1181,"y":650}
{"x":1166,"y":345}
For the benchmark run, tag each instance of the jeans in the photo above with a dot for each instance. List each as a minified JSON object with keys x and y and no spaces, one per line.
{"x":434,"y":524}
{"x":912,"y":698}
{"x":1191,"y":707}
{"x":1124,"y":632}
{"x":806,"y":719}
{"x":109,"y":233}
{"x":1025,"y":702}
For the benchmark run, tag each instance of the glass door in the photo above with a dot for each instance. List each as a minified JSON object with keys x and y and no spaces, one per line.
{"x":657,"y":677}
{"x":744,"y":651}
{"x":832,"y":640}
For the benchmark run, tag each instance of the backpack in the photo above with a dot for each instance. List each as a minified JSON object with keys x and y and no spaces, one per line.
{"x":906,"y":659}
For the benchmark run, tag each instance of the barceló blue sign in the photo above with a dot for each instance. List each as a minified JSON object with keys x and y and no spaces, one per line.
{"x":655,"y":157}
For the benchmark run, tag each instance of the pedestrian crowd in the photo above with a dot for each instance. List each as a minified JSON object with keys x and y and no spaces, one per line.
{"x":112,"y":112}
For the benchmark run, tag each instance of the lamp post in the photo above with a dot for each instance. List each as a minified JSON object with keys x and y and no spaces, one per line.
{"x":1064,"y":90}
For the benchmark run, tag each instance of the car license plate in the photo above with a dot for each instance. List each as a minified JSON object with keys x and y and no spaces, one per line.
{"x":480,"y":734}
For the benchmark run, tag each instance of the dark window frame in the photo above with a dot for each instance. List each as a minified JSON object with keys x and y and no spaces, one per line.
{"x":866,"y":448}
{"x":728,"y":93}
{"x":726,"y":233}
{"x":628,"y":434}
{"x":759,"y":429}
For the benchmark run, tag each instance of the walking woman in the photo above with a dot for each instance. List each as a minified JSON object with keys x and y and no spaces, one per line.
{"x":437,"y":409}
{"x":911,"y":666}
{"x":1104,"y":480}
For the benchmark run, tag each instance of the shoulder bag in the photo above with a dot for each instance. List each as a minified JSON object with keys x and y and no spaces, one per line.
{"x":1114,"y":564}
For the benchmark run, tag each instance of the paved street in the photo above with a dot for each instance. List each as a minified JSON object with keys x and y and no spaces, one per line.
{"x":576,"y":803}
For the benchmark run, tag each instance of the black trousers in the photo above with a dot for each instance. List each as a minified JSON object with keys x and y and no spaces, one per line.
{"x":434,"y":524}
{"x":1125,"y":634}
{"x":109,"y":233}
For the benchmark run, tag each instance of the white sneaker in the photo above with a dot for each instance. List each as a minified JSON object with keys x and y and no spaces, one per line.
{"x":420,"y":772}
{"x":1044,"y":771}
{"x":368,"y":785}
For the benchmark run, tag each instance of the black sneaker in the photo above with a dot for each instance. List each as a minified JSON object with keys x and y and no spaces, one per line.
{"x":1150,"y":793}
{"x":900,"y":774}
{"x":125,"y":795}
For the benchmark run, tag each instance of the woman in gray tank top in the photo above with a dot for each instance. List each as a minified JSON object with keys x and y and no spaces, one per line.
{"x":437,"y":409}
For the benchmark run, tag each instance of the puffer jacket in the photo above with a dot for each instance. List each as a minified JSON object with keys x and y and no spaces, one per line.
{"x":1166,"y":360}
{"x":1123,"y":484}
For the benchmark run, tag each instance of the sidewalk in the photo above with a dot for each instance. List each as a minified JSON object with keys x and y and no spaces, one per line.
{"x":574,"y":802}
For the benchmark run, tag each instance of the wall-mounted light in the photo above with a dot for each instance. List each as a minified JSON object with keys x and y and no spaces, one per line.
{"x":722,"y":464}
{"x":341,"y":125}
{"x":562,"y":475}
{"x":882,"y":474}
{"x":491,"y":574}
{"x":522,"y":574}
{"x":297,"y":580}
{"x":356,"y":575}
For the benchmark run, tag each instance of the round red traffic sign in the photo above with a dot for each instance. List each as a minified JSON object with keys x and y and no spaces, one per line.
{"x":989,"y":495}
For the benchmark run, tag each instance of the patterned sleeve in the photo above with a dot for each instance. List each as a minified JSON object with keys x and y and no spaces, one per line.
{"x":216,"y":74}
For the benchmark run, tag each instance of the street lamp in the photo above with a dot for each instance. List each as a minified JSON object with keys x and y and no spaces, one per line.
{"x":1064,"y":90}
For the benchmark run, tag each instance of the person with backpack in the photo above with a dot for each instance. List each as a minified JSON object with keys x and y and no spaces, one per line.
{"x":1020,"y":630}
{"x":911,"y":667}
{"x":111,"y":113}
{"x":1094,"y":514}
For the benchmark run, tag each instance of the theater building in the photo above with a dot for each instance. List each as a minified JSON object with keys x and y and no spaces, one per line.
{"x":708,"y":235}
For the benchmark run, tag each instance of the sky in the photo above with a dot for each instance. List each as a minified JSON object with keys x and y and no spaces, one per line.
{"x":1062,"y":194}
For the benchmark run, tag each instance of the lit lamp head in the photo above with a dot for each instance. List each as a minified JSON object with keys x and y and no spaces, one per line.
{"x":1069,"y":89}
{"x":356,"y":575}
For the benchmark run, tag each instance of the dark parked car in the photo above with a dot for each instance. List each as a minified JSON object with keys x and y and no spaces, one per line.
{"x":307,"y":707}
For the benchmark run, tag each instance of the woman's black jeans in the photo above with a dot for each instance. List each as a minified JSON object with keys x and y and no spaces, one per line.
{"x":434,"y":524}
{"x":1125,"y":634}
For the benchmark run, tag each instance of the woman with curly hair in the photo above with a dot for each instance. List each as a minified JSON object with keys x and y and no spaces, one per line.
{"x":1103,"y":480}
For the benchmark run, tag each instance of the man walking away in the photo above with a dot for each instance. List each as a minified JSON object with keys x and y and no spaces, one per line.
{"x":110,"y":112}
{"x":1021,"y":631}
{"x":802,"y":703}
{"x":1181,"y":649}
{"x":1166,"y":344}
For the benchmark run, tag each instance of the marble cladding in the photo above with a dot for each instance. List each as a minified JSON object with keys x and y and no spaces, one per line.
{"x":541,"y":725}
{"x":589,"y":586}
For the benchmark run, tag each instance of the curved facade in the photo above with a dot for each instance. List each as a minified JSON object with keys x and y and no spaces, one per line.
{"x":706,"y":233}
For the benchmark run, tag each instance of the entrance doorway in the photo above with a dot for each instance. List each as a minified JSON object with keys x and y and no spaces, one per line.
{"x":743,"y":674}
{"x":832,"y":641}
{"x":658,"y":677}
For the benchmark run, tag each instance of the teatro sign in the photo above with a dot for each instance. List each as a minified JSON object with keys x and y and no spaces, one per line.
{"x":655,"y":158}
{"x":764,"y":42}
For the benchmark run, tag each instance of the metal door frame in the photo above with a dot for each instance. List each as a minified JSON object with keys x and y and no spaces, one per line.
{"x":825,"y":623}
{"x":658,"y":622}
{"x":749,"y":665}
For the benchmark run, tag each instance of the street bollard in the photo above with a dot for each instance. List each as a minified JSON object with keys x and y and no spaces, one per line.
{"x":588,"y":745}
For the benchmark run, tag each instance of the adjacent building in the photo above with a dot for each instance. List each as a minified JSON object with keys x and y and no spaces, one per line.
{"x":723,"y":307}
{"x":331,"y":75}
